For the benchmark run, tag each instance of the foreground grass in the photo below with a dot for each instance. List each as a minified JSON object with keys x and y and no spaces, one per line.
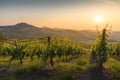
{"x":73,"y":70}
{"x":113,"y":67}
{"x":38,"y":71}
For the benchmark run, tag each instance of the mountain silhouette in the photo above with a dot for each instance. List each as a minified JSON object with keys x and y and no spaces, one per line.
{"x":27,"y":31}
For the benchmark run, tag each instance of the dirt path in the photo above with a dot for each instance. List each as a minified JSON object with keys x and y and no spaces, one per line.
{"x":98,"y":74}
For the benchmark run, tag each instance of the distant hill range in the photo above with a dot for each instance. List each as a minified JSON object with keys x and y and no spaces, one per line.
{"x":24,"y":30}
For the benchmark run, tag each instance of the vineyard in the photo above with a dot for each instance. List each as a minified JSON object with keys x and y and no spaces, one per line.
{"x":56,"y":49}
{"x":52,"y":58}
{"x":59,"y":40}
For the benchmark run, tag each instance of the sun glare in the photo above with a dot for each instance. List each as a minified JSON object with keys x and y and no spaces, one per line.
{"x":98,"y":19}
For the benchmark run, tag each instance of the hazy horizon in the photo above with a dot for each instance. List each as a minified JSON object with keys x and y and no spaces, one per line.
{"x":68,"y":14}
{"x":59,"y":27}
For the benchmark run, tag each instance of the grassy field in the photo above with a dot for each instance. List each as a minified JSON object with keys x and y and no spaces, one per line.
{"x":70,"y":66}
{"x":38,"y":71}
{"x":76,"y":69}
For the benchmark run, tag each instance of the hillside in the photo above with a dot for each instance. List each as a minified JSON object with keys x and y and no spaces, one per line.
{"x":24,"y":30}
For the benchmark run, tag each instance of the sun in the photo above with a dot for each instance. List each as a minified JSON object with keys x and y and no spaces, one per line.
{"x":99,"y":19}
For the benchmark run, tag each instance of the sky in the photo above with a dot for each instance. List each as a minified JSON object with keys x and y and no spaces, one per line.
{"x":70,"y":14}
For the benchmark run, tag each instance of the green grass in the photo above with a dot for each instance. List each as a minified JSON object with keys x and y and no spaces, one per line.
{"x":68,"y":71}
{"x":37,"y":71}
{"x":113,"y":67}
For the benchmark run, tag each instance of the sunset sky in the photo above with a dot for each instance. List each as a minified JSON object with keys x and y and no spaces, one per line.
{"x":71,"y":14}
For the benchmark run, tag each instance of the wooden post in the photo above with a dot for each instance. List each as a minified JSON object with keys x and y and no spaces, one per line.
{"x":103,"y":34}
{"x":103,"y":38}
{"x":51,"y":53}
{"x":49,"y":41}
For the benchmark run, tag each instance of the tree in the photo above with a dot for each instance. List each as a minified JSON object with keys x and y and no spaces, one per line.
{"x":17,"y":52}
{"x":99,"y":49}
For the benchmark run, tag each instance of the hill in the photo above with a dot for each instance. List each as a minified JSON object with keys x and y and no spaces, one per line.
{"x":24,"y":30}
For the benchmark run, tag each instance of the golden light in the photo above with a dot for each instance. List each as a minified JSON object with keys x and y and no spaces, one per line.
{"x":99,"y":19}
